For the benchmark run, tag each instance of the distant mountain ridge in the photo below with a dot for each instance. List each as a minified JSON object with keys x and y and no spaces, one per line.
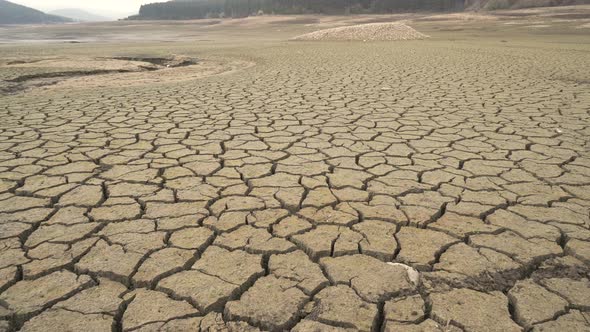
{"x":12,"y":13}
{"x":79,"y":15}
{"x":196,"y":9}
{"x":517,"y":4}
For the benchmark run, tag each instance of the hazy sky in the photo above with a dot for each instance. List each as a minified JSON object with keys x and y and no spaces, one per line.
{"x":96,"y":6}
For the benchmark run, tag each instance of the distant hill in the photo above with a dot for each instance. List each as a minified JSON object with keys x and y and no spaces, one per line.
{"x":517,"y":4}
{"x":196,"y":9}
{"x":80,"y":15}
{"x":114,"y":15}
{"x":12,"y":13}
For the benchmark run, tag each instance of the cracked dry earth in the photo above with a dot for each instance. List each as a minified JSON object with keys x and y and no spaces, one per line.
{"x":305,"y":194}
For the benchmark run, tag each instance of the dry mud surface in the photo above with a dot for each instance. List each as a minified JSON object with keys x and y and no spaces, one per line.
{"x":93,"y":73}
{"x":436,"y":186}
{"x":366,"y":32}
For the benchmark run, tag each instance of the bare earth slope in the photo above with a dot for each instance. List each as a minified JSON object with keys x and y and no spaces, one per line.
{"x":366,"y":32}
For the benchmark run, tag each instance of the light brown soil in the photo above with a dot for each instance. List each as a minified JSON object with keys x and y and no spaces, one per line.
{"x":366,"y":32}
{"x":437,"y":185}
{"x":89,"y":73}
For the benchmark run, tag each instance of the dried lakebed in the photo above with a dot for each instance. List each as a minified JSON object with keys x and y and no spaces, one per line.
{"x":75,"y":72}
{"x":305,"y":193}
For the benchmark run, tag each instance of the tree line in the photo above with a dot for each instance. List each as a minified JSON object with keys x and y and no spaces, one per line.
{"x":195,"y":9}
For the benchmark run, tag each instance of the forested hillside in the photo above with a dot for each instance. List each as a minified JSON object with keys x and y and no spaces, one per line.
{"x":186,"y":9}
{"x":12,"y":13}
{"x":516,"y":4}
{"x":194,"y":9}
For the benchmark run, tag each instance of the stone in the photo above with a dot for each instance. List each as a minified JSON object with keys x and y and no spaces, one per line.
{"x":318,"y":172}
{"x":421,"y":247}
{"x":371,"y":278}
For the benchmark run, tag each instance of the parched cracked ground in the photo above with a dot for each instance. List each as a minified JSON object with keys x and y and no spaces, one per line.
{"x":295,"y":194}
